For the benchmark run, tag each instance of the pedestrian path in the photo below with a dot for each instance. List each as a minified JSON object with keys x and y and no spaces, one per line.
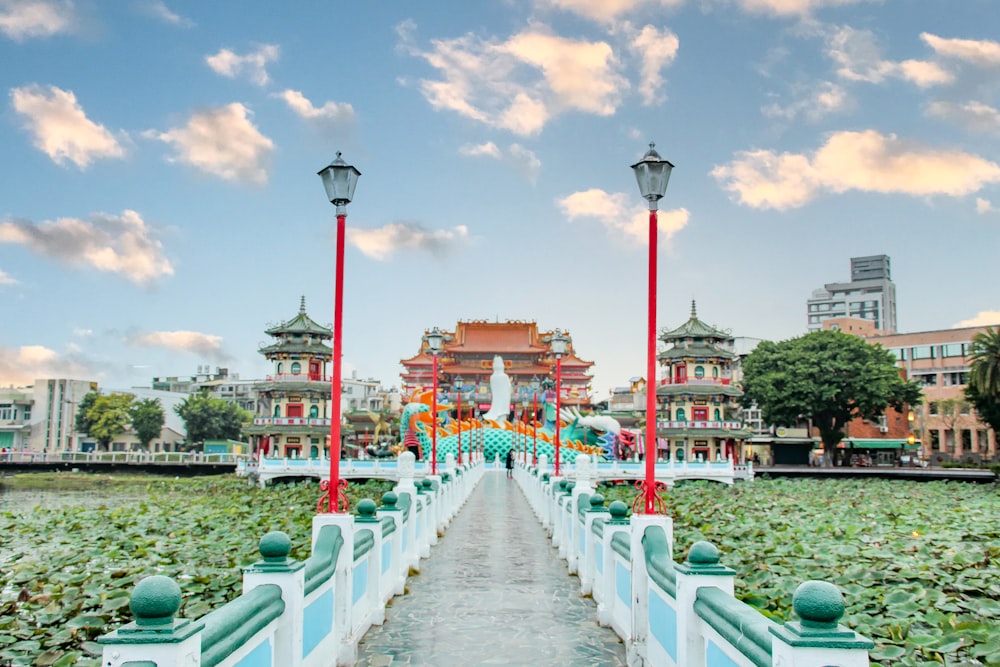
{"x":494,"y":592}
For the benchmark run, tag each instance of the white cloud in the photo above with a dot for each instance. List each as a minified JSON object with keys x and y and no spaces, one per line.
{"x":656,"y":49}
{"x":488,"y":149}
{"x":60,"y":127}
{"x":81,"y":332}
{"x":336,"y":112}
{"x":859,"y":58}
{"x":7,"y":279}
{"x":23,"y":365}
{"x":158,"y":9}
{"x":383,"y":242}
{"x":792,"y":7}
{"x":982,"y":319}
{"x":983,"y":206}
{"x":21,"y":19}
{"x":201,"y":344}
{"x":605,"y":11}
{"x":813,"y":104}
{"x":253,"y":65}
{"x":115,"y":244}
{"x":985,"y":53}
{"x":974,"y":116}
{"x":620,"y":215}
{"x":222,"y":142}
{"x":864,"y":161}
{"x":521,"y":83}
{"x":522,"y":159}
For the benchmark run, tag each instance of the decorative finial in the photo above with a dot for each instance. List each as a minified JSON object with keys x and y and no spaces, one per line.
{"x":302,"y":305}
{"x":694,"y":311}
{"x":652,"y":145}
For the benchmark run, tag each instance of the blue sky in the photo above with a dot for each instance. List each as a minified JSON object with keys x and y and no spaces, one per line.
{"x":159,"y":204}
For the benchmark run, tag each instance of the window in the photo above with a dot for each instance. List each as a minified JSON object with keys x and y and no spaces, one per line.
{"x":277,"y":411}
{"x":296,"y":368}
{"x":900,"y":353}
{"x":933,"y":409}
{"x":927,"y":380}
{"x":699,"y":371}
{"x":680,"y":415}
{"x":717,"y":415}
{"x":281,"y":367}
{"x":935,"y":440}
{"x":966,"y":440}
{"x":922,"y":352}
{"x":6,"y":411}
{"x":715,"y":371}
{"x":952,"y":350}
{"x":293,"y":410}
{"x":313,"y":411}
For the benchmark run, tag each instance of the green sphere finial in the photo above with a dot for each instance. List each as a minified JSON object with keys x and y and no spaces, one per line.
{"x":366,"y":508}
{"x":155,"y":600}
{"x":596,"y":501}
{"x":389,"y":499}
{"x":618,"y":509}
{"x":275,"y":547}
{"x":703,"y":553}
{"x":819,"y":604}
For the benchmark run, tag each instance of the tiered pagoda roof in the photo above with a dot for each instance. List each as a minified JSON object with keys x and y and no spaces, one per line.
{"x":300,"y":324}
{"x":695,"y":340}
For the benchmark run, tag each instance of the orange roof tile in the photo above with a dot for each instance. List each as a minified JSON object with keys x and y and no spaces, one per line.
{"x":496,"y":337}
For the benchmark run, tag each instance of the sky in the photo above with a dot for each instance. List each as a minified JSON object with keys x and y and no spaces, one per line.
{"x":160,"y":208}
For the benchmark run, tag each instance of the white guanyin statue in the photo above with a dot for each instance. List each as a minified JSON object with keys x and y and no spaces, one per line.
{"x":500,"y":388}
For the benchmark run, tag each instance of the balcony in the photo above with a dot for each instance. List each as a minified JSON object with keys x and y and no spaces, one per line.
{"x":291,"y":421}
{"x":700,"y":425}
{"x":722,"y":382}
{"x":297,"y":377}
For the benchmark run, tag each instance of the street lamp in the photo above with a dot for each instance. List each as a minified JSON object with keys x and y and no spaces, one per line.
{"x":558,"y":343}
{"x":434,"y":340}
{"x":339,"y":179}
{"x":458,"y":401}
{"x":524,"y":427}
{"x":652,"y":173}
{"x":534,"y":418}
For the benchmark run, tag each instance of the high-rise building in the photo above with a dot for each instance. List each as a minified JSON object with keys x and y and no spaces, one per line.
{"x":870,"y":295}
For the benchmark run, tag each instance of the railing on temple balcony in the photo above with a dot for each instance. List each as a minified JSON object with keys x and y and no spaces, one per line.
{"x":723,"y":382}
{"x":291,"y":421}
{"x":297,"y":377}
{"x":699,"y":424}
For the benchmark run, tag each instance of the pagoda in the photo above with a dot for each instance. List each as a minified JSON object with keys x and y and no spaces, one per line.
{"x":466,"y":361}
{"x":292,"y":419}
{"x":697,"y":400}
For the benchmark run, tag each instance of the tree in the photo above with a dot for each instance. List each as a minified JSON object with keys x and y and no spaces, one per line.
{"x":147,"y":420}
{"x":108,"y":417}
{"x":208,"y":418}
{"x":827,"y":377}
{"x":983,"y":390}
{"x":82,"y":424}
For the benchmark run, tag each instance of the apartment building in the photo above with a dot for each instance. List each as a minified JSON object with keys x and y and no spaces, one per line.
{"x":869,"y":295}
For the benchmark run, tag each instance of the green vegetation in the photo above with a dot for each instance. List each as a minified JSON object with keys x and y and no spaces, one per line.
{"x":51,"y":481}
{"x":918,"y":562}
{"x":828,"y":377}
{"x":983,"y":390}
{"x":147,"y":420}
{"x":209,"y":418}
{"x":72,"y":583}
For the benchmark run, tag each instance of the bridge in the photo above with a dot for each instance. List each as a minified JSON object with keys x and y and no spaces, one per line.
{"x":480,"y":538}
{"x":160,"y":463}
{"x":267,"y":470}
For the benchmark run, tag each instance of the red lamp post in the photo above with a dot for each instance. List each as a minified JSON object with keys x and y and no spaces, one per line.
{"x":339,"y":180}
{"x":652,"y":173}
{"x":434,"y":339}
{"x":558,"y":343}
{"x":458,"y":401}
{"x":534,"y":428}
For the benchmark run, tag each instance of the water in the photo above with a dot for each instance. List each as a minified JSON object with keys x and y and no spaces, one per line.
{"x":20,"y":501}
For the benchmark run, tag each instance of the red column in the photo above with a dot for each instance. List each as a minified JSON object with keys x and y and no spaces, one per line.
{"x":651,"y":443}
{"x":338,"y":308}
{"x":458,"y":400}
{"x":534,"y":429}
{"x":558,"y":407}
{"x":434,"y":420}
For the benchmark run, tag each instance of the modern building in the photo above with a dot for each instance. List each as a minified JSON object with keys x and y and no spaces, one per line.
{"x":53,"y":414}
{"x":697,"y":400}
{"x":293,"y":417}
{"x":869,"y":295}
{"x":15,"y":417}
{"x":944,"y":424}
{"x":220,"y":384}
{"x":466,"y":361}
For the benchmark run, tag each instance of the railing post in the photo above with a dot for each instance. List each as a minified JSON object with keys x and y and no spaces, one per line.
{"x":155,"y":636}
{"x":584,"y":486}
{"x":640,"y":578}
{"x":588,"y":559}
{"x":604,"y":585}
{"x":400,"y":568}
{"x":817,"y":638}
{"x":701,"y":569}
{"x":289,"y":575}
{"x":376,"y":601}
{"x":343,"y":584}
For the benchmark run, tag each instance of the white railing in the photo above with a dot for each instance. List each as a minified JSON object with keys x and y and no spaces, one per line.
{"x":303,"y":614}
{"x":291,"y":421}
{"x":182,"y":458}
{"x":672,"y":614}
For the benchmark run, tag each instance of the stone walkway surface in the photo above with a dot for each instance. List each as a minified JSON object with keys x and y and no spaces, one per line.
{"x":493,"y":592}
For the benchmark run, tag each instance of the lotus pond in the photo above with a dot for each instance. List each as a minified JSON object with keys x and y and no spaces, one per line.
{"x":919,"y":563}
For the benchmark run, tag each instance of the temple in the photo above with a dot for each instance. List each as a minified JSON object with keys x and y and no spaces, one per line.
{"x":696,"y":396}
{"x":466,"y":362}
{"x":292,"y":419}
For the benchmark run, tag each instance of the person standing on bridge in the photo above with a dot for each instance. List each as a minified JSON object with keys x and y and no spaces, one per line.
{"x":509,"y":462}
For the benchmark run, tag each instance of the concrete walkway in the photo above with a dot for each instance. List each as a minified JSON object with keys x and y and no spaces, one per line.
{"x":494,"y":592}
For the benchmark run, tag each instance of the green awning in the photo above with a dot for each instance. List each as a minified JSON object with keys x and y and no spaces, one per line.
{"x":877,"y":444}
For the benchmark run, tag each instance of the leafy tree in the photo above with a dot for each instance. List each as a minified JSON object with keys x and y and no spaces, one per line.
{"x":984,"y":356}
{"x":208,"y":418}
{"x":108,"y":417}
{"x":827,"y":377}
{"x":987,"y":408}
{"x":147,"y":420}
{"x":82,"y":424}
